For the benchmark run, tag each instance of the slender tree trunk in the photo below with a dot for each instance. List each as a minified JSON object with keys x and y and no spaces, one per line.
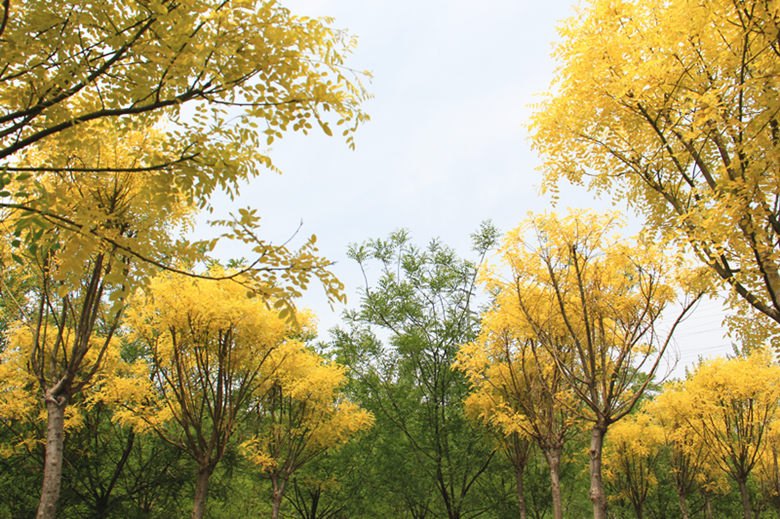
{"x":52,"y":466}
{"x":776,"y":483}
{"x":707,"y":506}
{"x":553,"y":457}
{"x":683,"y":503}
{"x":315,"y":502}
{"x":519,"y":472}
{"x":201,"y":491}
{"x":597,"y":495}
{"x":743,"y":490}
{"x":277,"y":486}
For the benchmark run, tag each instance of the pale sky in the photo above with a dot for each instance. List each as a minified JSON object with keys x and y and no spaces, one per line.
{"x":446,"y":146}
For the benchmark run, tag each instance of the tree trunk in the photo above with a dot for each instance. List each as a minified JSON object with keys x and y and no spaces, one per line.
{"x":101,"y":508}
{"x":52,"y":466}
{"x":683,"y":503}
{"x":519,"y":470}
{"x":553,"y":457}
{"x":277,"y":486}
{"x":707,"y":506}
{"x":201,"y":491}
{"x":776,"y":482}
{"x":597,"y":495}
{"x":743,"y":490}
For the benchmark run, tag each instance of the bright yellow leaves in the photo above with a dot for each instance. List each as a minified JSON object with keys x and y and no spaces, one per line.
{"x":299,"y":414}
{"x":631,"y":454}
{"x":721,"y":421}
{"x":20,"y":399}
{"x":571,"y":334}
{"x":673,"y":106}
{"x":249,"y":70}
{"x":207,"y":343}
{"x":577,"y":301}
{"x":218,"y":357}
{"x":65,"y":219}
{"x":575,"y":298}
{"x":302,"y":411}
{"x":176,"y":308}
{"x":100,"y":165}
{"x":730,"y":405}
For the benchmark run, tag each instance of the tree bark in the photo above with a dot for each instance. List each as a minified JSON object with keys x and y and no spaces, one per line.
{"x":519,"y":472}
{"x":553,"y":457}
{"x":743,"y":490}
{"x":707,"y":506}
{"x":597,"y":495}
{"x":201,"y":491}
{"x":52,"y":466}
{"x":277,"y":488}
{"x":683,"y":503}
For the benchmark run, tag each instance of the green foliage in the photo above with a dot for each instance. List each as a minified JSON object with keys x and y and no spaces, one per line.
{"x":400,"y":344}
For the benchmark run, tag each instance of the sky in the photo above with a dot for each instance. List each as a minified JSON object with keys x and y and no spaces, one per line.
{"x":446,"y":147}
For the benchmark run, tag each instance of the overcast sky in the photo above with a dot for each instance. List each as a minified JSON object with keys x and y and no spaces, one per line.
{"x":446,"y":147}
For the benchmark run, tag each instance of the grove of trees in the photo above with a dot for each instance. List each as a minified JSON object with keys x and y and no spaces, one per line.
{"x":142,"y":375}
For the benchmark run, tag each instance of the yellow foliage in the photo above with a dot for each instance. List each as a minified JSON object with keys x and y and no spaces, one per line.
{"x":123,"y":213}
{"x":279,"y":72}
{"x":572,"y":301}
{"x":730,"y":406}
{"x":302,"y":412}
{"x":673,"y":105}
{"x":201,"y":336}
{"x":20,"y":398}
{"x":631,"y":450}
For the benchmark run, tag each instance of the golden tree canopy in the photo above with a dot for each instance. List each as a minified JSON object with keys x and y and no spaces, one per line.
{"x":673,"y":106}
{"x":248,"y":70}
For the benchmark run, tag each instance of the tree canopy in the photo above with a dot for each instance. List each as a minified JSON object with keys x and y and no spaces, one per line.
{"x":221,"y":78}
{"x":673,"y":106}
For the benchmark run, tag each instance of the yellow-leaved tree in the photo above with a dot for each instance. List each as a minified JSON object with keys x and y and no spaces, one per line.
{"x":593,"y":301}
{"x":116,"y":120}
{"x":225,"y":77}
{"x":690,"y":458}
{"x":77,"y":242}
{"x":516,"y":386}
{"x":68,"y":268}
{"x":731,"y":405}
{"x":300,"y":414}
{"x":673,"y":106}
{"x":210,"y":350}
{"x":631,"y":455}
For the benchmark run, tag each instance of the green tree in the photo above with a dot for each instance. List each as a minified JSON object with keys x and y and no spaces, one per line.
{"x":110,"y":470}
{"x":422,"y":303}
